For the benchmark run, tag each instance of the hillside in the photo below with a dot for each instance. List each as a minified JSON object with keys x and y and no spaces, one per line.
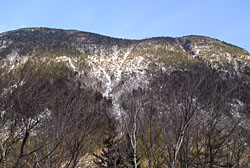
{"x":159,"y":102}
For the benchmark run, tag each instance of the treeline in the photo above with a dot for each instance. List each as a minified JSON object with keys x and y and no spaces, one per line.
{"x":186,"y":118}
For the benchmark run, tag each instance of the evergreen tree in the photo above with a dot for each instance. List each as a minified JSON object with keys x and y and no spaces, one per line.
{"x":116,"y":152}
{"x":110,"y":156}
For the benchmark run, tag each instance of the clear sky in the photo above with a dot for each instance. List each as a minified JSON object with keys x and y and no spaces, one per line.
{"x":227,"y":20}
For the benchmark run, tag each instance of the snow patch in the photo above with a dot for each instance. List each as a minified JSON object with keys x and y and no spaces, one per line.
{"x":179,"y":44}
{"x":13,"y":57}
{"x":111,"y":67}
{"x":196,"y":52}
{"x":68,"y":60}
{"x":5,"y":44}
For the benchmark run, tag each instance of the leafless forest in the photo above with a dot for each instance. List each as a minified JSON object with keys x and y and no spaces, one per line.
{"x":186,"y":118}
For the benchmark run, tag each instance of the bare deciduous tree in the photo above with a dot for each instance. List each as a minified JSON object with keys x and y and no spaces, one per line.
{"x":51,"y":120}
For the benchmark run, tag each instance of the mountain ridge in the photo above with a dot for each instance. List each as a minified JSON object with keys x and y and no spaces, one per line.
{"x":74,"y":32}
{"x":130,"y":39}
{"x":28,"y":40}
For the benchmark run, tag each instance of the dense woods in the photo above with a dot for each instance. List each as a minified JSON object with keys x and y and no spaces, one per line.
{"x":187,"y":118}
{"x":47,"y":119}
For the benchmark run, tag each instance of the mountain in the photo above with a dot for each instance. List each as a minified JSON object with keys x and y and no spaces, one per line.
{"x":121,"y":74}
{"x":111,"y":60}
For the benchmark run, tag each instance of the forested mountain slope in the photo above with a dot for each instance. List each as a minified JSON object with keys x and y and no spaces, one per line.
{"x":70,"y":98}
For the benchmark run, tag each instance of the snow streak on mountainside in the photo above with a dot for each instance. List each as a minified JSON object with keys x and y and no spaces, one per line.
{"x":114,"y":66}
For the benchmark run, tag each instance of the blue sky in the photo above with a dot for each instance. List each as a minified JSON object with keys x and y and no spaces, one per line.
{"x":227,"y":20}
